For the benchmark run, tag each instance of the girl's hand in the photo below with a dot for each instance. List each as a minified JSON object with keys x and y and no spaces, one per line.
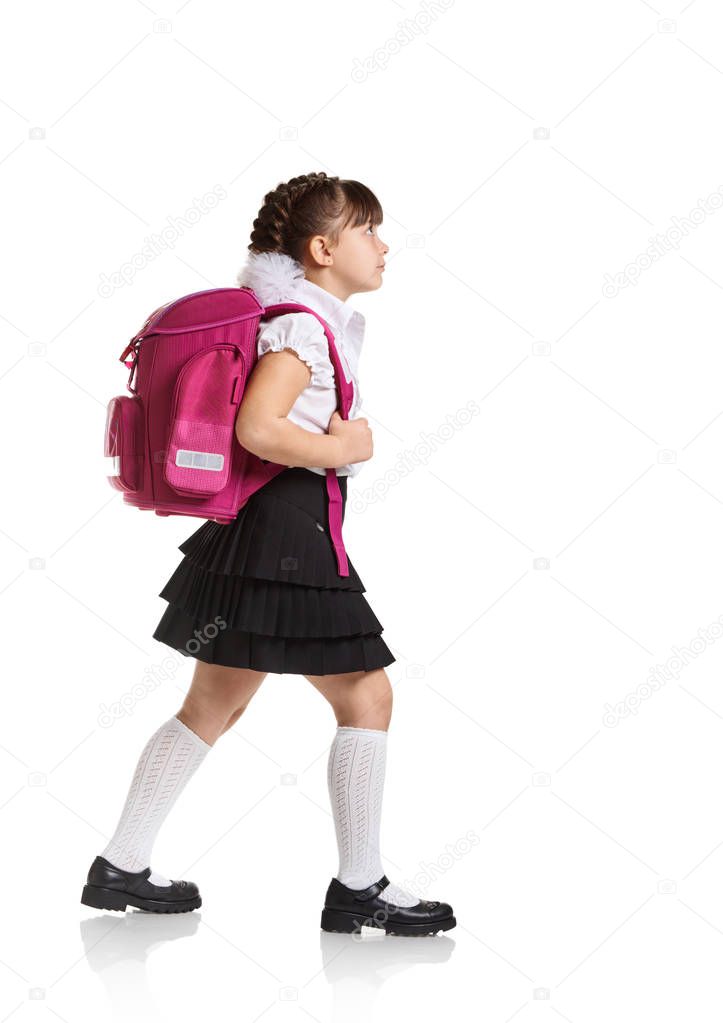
{"x":355,"y":438}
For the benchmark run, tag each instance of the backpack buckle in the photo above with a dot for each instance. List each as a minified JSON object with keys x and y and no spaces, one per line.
{"x":131,"y":349}
{"x":132,"y":346}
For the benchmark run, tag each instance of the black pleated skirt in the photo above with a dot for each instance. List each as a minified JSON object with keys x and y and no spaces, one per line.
{"x":264,"y":592}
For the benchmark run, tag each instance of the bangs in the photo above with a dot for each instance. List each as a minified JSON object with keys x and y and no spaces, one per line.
{"x":361,"y":205}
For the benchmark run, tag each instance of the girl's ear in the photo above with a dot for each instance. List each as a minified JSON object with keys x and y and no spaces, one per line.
{"x":319,"y":250}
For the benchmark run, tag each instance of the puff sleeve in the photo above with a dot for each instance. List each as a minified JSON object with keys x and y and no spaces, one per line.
{"x":303,"y":334}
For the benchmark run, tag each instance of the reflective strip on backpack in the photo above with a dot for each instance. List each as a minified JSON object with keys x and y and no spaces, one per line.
{"x":199,"y":460}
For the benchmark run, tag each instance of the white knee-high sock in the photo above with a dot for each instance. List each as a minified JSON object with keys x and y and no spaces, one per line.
{"x":169,"y":759}
{"x":355,"y":777}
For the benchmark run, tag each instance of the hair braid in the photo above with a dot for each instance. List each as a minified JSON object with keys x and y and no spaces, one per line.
{"x":310,"y":204}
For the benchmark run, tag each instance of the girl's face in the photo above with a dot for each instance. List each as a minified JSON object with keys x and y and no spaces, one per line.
{"x":354,"y":265}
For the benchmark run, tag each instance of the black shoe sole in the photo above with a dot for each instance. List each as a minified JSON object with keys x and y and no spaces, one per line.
{"x":352,"y":923}
{"x":108,"y":898}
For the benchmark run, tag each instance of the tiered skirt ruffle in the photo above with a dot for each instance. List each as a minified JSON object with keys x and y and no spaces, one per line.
{"x":264,"y":592}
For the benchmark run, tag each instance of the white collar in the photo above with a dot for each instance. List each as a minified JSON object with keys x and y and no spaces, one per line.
{"x":276,"y":277}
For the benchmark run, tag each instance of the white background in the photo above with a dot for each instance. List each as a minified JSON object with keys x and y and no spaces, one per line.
{"x":531,"y":565}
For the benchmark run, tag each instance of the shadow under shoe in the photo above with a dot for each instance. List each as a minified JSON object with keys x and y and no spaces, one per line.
{"x":348,"y":910}
{"x":109,"y":887}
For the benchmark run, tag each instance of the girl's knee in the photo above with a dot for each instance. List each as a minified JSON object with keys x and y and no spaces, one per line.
{"x":216,"y":695}
{"x":370,"y":702}
{"x":361,"y":699}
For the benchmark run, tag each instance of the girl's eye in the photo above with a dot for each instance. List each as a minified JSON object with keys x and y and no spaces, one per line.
{"x":371,"y":227}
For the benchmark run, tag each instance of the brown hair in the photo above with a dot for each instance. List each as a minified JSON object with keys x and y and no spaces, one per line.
{"x":311,"y":204}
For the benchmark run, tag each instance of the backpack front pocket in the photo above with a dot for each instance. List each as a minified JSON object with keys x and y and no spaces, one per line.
{"x":124,"y":443}
{"x":203,"y":419}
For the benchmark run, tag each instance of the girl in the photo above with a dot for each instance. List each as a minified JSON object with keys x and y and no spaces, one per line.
{"x":270,"y":580}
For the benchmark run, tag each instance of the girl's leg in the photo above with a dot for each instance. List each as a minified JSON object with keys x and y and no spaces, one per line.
{"x":217,"y":697}
{"x":359,"y":699}
{"x":362,"y":704}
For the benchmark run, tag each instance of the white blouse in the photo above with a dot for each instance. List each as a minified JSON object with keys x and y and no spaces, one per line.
{"x":275,"y":277}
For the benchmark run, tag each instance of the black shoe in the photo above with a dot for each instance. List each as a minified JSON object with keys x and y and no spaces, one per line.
{"x":110,"y":887}
{"x":348,"y":909}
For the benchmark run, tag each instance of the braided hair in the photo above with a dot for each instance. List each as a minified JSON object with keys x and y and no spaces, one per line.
{"x":311,"y":204}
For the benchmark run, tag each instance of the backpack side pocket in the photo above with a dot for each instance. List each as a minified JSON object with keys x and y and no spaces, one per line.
{"x":203,"y":418}
{"x":123,"y":446}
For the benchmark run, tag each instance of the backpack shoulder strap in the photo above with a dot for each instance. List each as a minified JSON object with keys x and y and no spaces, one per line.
{"x":345,"y":394}
{"x":344,"y":389}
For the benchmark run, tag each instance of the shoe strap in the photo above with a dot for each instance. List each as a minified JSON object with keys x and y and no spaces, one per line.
{"x":140,"y":875}
{"x":373,"y":890}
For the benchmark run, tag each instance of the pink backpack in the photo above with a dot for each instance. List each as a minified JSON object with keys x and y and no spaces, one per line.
{"x":171,"y":444}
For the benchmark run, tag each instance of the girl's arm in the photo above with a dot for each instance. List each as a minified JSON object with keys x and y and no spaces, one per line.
{"x":262,"y":427}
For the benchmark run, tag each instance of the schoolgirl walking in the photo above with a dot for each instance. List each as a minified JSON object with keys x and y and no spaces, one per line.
{"x":270,"y":580}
